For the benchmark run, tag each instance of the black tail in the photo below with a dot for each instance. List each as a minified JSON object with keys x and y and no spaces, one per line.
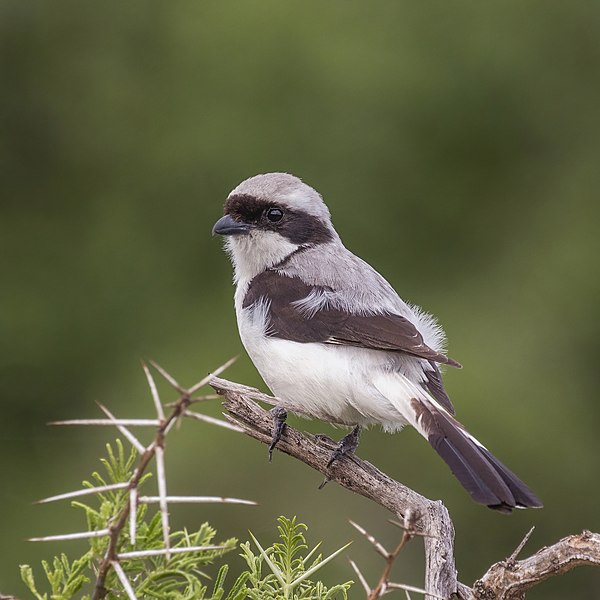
{"x":487,"y":480}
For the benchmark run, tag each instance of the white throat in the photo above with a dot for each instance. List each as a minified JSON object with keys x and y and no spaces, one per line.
{"x":251,"y":254}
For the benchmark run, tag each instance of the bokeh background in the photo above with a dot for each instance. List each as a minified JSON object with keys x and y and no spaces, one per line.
{"x":458,"y":147}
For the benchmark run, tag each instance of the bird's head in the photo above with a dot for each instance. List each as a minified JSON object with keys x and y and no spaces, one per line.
{"x":268,"y":217}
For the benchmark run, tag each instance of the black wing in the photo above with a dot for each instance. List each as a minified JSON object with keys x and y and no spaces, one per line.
{"x":334,"y":326}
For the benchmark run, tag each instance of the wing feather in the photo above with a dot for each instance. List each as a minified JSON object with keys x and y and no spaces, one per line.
{"x":329,"y":325}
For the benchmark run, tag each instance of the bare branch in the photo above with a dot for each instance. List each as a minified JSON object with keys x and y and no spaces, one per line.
{"x":429,"y":518}
{"x":510,"y":581}
{"x":384,"y":585}
{"x":355,"y":475}
{"x":419,"y":516}
{"x":224,"y":385}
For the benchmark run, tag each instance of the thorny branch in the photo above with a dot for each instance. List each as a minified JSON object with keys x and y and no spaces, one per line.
{"x":510,"y":579}
{"x":384,"y":584}
{"x":155,"y":450}
{"x":506,"y":580}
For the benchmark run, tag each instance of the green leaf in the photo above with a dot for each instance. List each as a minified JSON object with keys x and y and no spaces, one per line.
{"x":285,"y":557}
{"x":239,"y":587}
{"x":29,"y":581}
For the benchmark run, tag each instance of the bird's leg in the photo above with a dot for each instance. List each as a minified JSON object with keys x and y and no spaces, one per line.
{"x":348,"y":444}
{"x":279,"y":415}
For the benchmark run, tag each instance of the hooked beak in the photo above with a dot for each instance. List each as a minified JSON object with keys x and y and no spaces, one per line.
{"x":227,"y":225}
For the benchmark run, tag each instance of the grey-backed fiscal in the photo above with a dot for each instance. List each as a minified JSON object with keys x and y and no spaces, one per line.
{"x":333,"y":340}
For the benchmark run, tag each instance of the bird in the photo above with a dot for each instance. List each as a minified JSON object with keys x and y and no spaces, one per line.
{"x":334,"y":341}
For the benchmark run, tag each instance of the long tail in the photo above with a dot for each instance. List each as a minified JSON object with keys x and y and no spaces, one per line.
{"x":487,"y":480}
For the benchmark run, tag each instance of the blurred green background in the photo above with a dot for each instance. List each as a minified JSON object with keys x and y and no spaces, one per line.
{"x":458,"y":147}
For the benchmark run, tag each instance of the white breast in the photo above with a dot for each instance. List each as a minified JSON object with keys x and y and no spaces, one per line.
{"x":328,"y":382}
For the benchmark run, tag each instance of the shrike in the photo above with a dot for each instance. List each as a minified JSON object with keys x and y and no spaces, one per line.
{"x":334,"y":341}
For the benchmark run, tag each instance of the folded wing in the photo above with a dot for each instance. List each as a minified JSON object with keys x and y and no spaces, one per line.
{"x":386,"y":331}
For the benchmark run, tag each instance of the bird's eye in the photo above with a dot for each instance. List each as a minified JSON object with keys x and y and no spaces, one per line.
{"x":274,"y":214}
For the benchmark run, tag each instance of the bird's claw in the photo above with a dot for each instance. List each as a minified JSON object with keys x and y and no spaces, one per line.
{"x":279,"y":415}
{"x":348,"y":444}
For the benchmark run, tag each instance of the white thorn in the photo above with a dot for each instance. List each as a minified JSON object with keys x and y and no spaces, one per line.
{"x":204,"y":398}
{"x":411,"y":588}
{"x":171,"y":424}
{"x":164,"y":551}
{"x":168,"y":377}
{"x":133,"y":500}
{"x":380,"y":549}
{"x":71,"y":536}
{"x":212,"y":420}
{"x":162,"y":491}
{"x":123,"y":579}
{"x":128,"y":422}
{"x":154,"y":392}
{"x":195,"y":500}
{"x":93,"y":490}
{"x":132,"y":439}
{"x":215,"y":373}
{"x":361,"y":577}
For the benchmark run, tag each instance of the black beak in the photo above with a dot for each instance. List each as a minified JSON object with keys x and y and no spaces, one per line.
{"x":227,"y":225}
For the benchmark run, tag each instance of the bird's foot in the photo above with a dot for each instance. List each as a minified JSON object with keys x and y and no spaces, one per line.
{"x":348,"y":444}
{"x":279,"y":415}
